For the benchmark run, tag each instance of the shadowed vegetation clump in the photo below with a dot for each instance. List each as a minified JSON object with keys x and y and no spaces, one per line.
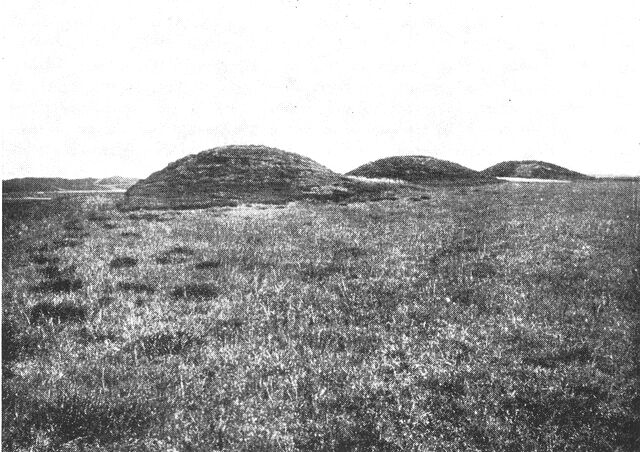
{"x":89,"y":334}
{"x":130,"y":234}
{"x":66,"y":242}
{"x":70,"y":416}
{"x":58,"y":313}
{"x":208,"y":265}
{"x":166,"y":343}
{"x":578,"y":354}
{"x":97,"y":217}
{"x":57,"y":285}
{"x":42,"y":259}
{"x":195,"y":290}
{"x":73,"y":226}
{"x":123,"y":262}
{"x":175,"y":255}
{"x":52,"y":271}
{"x":10,"y":345}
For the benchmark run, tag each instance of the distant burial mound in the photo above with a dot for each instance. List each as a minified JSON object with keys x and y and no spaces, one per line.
{"x":533,"y":169}
{"x":422,"y":170}
{"x":58,"y":184}
{"x":231,"y":175}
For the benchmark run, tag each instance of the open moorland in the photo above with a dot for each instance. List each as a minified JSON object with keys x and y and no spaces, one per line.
{"x":502,"y":317}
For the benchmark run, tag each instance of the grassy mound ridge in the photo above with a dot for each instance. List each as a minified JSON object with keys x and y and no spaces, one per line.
{"x":532,"y":169}
{"x":419,"y":169}
{"x":236,"y":174}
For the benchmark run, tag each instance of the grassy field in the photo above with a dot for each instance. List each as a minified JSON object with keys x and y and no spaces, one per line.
{"x":499,"y":318}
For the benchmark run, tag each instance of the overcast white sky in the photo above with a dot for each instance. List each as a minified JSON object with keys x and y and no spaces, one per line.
{"x":99,"y":88}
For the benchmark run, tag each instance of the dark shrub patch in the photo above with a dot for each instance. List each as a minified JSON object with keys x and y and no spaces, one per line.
{"x":90,"y":335}
{"x":174,"y":255}
{"x":58,"y":285}
{"x":109,"y":225}
{"x":76,"y":416}
{"x":227,"y":328}
{"x":348,"y":252}
{"x":105,"y":300}
{"x":123,"y":262}
{"x":136,"y":287}
{"x":165,"y":343}
{"x":97,"y":217}
{"x":10,"y":345}
{"x":59,"y":313}
{"x":42,"y":259}
{"x":74,"y":226}
{"x":581,"y":354}
{"x":206,"y":265}
{"x":195,"y":290}
{"x":53,"y":271}
{"x":146,"y":217}
{"x":50,"y":271}
{"x":483,"y":270}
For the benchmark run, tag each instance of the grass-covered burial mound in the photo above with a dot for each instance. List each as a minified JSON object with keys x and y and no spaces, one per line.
{"x":232,"y":175}
{"x":420,"y":169}
{"x":533,"y":169}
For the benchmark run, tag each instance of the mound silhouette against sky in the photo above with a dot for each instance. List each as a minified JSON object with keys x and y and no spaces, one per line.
{"x":56,"y":184}
{"x":533,"y":169}
{"x":236,"y":174}
{"x":419,"y":169}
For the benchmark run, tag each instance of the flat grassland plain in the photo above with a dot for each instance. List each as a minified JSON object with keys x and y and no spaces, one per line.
{"x":503,"y":318}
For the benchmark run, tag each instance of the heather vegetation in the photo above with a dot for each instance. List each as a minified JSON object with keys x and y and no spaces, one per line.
{"x":502,"y":317}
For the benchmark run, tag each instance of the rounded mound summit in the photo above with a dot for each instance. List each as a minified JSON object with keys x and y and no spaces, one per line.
{"x":533,"y":169}
{"x":420,"y":169}
{"x":236,"y":174}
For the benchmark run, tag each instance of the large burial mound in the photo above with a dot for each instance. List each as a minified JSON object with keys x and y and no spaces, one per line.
{"x":533,"y":169}
{"x":232,"y":175}
{"x":422,"y":170}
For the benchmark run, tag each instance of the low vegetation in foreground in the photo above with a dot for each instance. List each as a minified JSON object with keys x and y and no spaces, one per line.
{"x":494,"y":318}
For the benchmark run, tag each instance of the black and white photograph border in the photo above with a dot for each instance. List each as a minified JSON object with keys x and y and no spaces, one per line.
{"x":320,"y":226}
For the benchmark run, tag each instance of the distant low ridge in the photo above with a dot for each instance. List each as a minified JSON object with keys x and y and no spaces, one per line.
{"x":58,"y":184}
{"x":423,"y":170}
{"x":533,"y":169}
{"x":236,"y":174}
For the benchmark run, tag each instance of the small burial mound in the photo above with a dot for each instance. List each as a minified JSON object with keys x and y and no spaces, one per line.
{"x":421,"y":170}
{"x":533,"y":169}
{"x":231,"y":175}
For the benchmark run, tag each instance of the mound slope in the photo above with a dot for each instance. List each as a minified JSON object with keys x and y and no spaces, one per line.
{"x":236,"y":174}
{"x":533,"y":169}
{"x":419,"y":169}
